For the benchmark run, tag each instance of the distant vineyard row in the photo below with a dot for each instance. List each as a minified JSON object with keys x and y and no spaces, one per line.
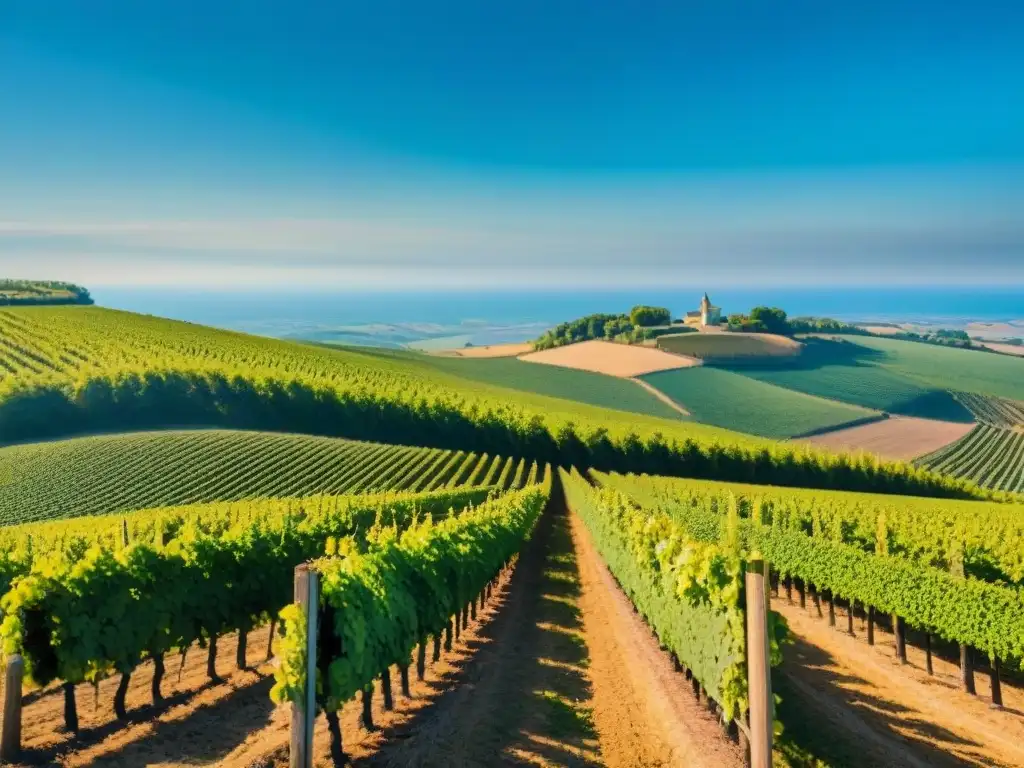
{"x":989,"y":456}
{"x":98,"y":475}
{"x":994,"y":411}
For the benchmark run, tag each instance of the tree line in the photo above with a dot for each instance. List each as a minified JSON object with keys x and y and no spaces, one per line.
{"x":42,"y":292}
{"x":641,"y":323}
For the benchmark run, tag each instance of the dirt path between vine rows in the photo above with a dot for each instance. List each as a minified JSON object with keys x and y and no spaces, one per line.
{"x":566,"y":674}
{"x":645,"y":713}
{"x":559,"y":671}
{"x":858,"y":705}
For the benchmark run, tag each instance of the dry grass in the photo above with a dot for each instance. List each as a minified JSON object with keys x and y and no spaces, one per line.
{"x":715,"y":347}
{"x":899,"y":438}
{"x":884,"y":330}
{"x":622,"y":360}
{"x":493,"y":350}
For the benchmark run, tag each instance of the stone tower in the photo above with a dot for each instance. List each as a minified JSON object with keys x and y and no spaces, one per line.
{"x":705,"y":311}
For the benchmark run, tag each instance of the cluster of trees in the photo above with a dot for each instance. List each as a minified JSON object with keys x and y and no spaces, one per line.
{"x":943,"y":337}
{"x":642,"y":322}
{"x":647,"y":317}
{"x":775,"y":320}
{"x":21,"y":292}
{"x":761,"y":320}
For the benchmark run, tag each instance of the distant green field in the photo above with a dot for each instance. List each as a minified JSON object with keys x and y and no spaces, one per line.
{"x":901,"y":377}
{"x":115,"y":473}
{"x":731,"y":400}
{"x":553,"y":381}
{"x":965,"y":370}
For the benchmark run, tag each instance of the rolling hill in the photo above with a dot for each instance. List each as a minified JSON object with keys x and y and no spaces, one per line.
{"x":727,"y":348}
{"x":74,"y":370}
{"x":902,"y":377}
{"x":548,"y":380}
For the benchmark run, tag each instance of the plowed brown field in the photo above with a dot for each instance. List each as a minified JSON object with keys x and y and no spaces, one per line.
{"x":606,"y":357}
{"x":898,"y":437}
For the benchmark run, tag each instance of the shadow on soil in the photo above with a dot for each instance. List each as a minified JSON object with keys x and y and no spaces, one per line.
{"x":201,"y":737}
{"x":521,"y":696}
{"x":810,"y":731}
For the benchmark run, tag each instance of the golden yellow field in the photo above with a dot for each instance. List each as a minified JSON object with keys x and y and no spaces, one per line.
{"x":622,"y":360}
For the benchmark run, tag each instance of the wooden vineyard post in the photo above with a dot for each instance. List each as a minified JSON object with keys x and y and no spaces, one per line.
{"x":10,"y":738}
{"x":303,"y":715}
{"x":759,"y":682}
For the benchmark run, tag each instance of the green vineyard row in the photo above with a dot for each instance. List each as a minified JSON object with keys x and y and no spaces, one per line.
{"x":21,"y":546}
{"x":80,"y":615}
{"x":84,"y":369}
{"x":114,"y":473}
{"x":987,"y":537}
{"x":989,"y":456}
{"x":377,"y":605}
{"x":689,"y":591}
{"x":939,"y":601}
{"x":994,"y":411}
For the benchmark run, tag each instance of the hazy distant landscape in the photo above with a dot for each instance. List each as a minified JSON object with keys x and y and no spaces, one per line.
{"x":440,"y":320}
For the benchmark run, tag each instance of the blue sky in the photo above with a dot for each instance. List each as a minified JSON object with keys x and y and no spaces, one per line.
{"x":466,"y":143}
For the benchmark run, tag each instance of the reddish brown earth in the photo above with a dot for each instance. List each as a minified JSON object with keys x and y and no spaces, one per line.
{"x":887,"y":713}
{"x":900,"y":438}
{"x":644,"y":710}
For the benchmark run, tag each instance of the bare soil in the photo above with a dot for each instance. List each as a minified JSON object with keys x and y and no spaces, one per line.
{"x":198,"y":724}
{"x":865,"y":708}
{"x":899,"y":437}
{"x":886,"y":330}
{"x":644,"y":710}
{"x":623,"y":360}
